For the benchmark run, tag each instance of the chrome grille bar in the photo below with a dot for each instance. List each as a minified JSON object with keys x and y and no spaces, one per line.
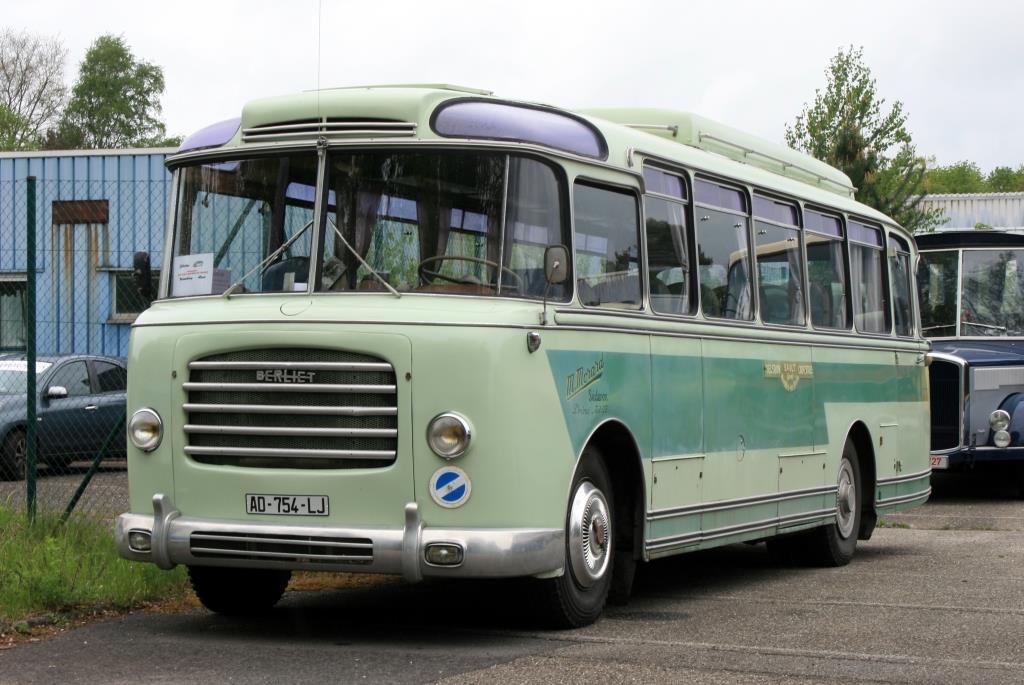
{"x":329,"y":125}
{"x":289,"y":431}
{"x":346,"y":388}
{"x":292,"y":409}
{"x":298,"y":366}
{"x":289,"y":452}
{"x":288,"y":409}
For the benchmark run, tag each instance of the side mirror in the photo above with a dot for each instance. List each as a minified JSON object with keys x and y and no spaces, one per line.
{"x":556,"y":264}
{"x":143,"y":275}
{"x":56,"y":392}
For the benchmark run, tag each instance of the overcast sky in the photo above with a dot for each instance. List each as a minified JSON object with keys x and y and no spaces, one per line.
{"x":958,"y":67}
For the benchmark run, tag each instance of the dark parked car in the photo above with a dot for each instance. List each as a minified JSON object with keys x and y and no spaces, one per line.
{"x":971,"y":285}
{"x":81,"y":399}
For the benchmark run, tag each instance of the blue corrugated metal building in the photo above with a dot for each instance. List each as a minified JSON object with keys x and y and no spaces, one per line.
{"x":94,"y":210}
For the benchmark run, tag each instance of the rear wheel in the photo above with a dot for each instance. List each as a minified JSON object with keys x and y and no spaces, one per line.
{"x":13,"y":455}
{"x":238,"y":591}
{"x":577,"y":597}
{"x":834,"y":544}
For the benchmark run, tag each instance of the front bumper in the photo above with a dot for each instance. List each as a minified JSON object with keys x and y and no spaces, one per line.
{"x":487,"y":552}
{"x":969,"y":456}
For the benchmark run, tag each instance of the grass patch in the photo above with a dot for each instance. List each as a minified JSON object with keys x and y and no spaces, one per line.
{"x":70,"y":568}
{"x":882,"y":523}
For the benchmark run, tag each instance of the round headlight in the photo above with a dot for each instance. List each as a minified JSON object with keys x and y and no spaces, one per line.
{"x":999,"y":420}
{"x":448,"y":435}
{"x":146,"y":429}
{"x":1001,"y":439}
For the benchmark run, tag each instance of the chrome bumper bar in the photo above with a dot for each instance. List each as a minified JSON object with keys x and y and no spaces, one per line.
{"x":487,"y":552}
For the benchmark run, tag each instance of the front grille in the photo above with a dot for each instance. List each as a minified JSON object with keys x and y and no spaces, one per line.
{"x":946,"y":392}
{"x":286,"y":548}
{"x":292,"y":408}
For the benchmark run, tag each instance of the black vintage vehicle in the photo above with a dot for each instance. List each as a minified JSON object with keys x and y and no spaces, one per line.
{"x":80,"y":400}
{"x":971,"y":285}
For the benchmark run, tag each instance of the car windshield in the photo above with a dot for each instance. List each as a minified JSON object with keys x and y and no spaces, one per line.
{"x":991,"y":301}
{"x":13,"y":376}
{"x":426,"y":222}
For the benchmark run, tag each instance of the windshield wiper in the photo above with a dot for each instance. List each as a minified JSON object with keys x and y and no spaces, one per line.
{"x":985,"y":325}
{"x":373,"y":272}
{"x":284,"y":246}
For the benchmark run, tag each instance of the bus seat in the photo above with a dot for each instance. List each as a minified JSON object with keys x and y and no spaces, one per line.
{"x":273,"y":277}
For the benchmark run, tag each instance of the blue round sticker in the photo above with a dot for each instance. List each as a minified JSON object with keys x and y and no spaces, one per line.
{"x":450,"y":487}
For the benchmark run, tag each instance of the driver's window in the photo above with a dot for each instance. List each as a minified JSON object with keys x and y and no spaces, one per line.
{"x":74,"y":377}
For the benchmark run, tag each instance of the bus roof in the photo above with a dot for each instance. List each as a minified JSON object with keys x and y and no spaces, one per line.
{"x":407,"y":111}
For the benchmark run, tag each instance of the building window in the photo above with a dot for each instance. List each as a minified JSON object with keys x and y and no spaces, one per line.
{"x":12,"y":313}
{"x":127,"y":301}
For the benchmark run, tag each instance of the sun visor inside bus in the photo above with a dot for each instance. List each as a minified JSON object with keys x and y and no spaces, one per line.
{"x":213,"y":135}
{"x":523,"y":124}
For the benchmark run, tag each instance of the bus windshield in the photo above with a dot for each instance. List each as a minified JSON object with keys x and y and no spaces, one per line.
{"x":429,"y":222}
{"x":991,"y":293}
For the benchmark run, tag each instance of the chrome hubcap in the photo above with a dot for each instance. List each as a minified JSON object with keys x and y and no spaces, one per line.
{"x":846,"y":499}
{"x":590,"y":535}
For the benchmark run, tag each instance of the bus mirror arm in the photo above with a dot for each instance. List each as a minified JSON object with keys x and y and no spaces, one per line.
{"x":556,"y":271}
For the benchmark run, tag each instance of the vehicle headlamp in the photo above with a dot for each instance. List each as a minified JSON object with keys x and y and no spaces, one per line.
{"x":145,"y":429}
{"x":448,"y":435}
{"x":999,"y":420}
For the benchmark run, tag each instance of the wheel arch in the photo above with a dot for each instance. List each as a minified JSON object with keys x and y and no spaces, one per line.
{"x":623,"y":459}
{"x":864,"y":444}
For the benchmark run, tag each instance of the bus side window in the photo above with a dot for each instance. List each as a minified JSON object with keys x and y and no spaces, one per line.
{"x":870,"y":302}
{"x":780,"y":273}
{"x":826,"y":266}
{"x":607,"y":233}
{"x":899,"y":276}
{"x":723,"y":253}
{"x":668,"y":261}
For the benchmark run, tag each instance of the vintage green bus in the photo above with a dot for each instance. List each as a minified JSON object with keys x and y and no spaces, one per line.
{"x":421,"y":330}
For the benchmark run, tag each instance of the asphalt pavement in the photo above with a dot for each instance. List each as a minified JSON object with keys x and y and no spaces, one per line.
{"x":941,"y":601}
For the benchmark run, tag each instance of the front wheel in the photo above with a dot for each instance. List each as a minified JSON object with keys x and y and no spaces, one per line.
{"x":13,"y":455}
{"x":577,"y":597}
{"x":238,"y":591}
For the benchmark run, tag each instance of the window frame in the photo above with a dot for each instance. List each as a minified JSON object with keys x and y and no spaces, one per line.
{"x":22,"y":279}
{"x":120,"y":317}
{"x":890,"y":237}
{"x":687,"y":202}
{"x":886,"y":294}
{"x":799,"y":228}
{"x":622,"y":189}
{"x":94,"y":375}
{"x":744,"y":192}
{"x":844,"y":244}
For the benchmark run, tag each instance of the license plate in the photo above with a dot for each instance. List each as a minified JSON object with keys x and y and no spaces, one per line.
{"x":940,"y":462}
{"x":287,"y":505}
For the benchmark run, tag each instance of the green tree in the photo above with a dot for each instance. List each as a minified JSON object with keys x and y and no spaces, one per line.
{"x":847,"y":127}
{"x":962,"y":177}
{"x":115,"y":101}
{"x":1003,"y":179}
{"x":32,"y":90}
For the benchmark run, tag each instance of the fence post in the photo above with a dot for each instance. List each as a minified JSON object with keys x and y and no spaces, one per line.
{"x":31,"y":396}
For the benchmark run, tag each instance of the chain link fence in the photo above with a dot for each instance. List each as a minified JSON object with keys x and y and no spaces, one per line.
{"x":64,"y":329}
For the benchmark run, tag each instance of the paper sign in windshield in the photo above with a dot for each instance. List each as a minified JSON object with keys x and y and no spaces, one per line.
{"x":194,"y":274}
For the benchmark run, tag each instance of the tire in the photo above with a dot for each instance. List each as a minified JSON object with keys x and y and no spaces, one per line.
{"x":238,"y":591}
{"x":577,"y":597}
{"x":834,"y":544}
{"x":13,"y":455}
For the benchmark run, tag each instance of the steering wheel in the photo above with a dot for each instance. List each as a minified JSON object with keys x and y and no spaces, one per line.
{"x":427,"y":275}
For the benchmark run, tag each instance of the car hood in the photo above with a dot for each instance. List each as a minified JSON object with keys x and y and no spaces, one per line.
{"x":983,"y":352}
